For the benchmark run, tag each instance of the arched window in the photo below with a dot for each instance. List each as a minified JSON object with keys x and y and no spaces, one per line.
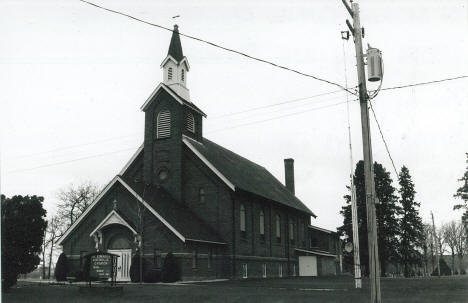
{"x":291,"y":232}
{"x":169,"y":73}
{"x":278,"y":228}
{"x":242,"y":219}
{"x":262,"y":223}
{"x":182,"y":75}
{"x":190,"y":122}
{"x":163,"y":124}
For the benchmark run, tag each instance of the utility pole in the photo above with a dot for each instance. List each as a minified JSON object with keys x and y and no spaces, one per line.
{"x":436,"y":244}
{"x":374,"y":266}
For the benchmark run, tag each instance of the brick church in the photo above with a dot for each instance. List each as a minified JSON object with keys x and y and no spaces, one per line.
{"x":219,"y":214}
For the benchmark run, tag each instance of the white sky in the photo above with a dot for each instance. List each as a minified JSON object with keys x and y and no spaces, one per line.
{"x":75,"y":75}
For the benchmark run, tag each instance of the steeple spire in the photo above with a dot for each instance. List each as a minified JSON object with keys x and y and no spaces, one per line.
{"x":175,"y":67}
{"x":175,"y":48}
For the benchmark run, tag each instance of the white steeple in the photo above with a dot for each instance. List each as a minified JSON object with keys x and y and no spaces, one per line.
{"x":175,"y":67}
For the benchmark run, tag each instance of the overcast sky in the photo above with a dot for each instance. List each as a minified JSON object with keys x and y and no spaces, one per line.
{"x":73,"y":78}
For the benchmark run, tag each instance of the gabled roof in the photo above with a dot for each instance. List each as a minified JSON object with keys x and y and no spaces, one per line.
{"x":175,"y":48}
{"x":173,"y":94}
{"x":191,"y":227}
{"x":244,"y":174}
{"x":183,"y":231}
{"x":114,"y":218}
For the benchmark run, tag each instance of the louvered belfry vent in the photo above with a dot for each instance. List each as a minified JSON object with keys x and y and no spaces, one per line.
{"x":163,"y":124}
{"x":190,"y":122}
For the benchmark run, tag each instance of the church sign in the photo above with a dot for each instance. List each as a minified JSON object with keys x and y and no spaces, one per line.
{"x":102,"y":266}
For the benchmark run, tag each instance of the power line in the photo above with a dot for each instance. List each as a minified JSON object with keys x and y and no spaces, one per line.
{"x":383,"y":139}
{"x":72,"y":146}
{"x":274,"y":104}
{"x":222,"y":47}
{"x":72,"y":160}
{"x":424,"y":83}
{"x":282,"y":116}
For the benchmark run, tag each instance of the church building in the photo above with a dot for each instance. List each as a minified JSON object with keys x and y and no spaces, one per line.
{"x":219,"y":214}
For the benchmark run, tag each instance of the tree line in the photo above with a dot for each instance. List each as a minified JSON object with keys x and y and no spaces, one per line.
{"x":405,"y":244}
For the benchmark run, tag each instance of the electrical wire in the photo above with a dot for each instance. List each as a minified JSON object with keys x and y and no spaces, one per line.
{"x":425,"y":83}
{"x":274,"y":104}
{"x":222,"y":47}
{"x":279,"y":117}
{"x":383,"y":139}
{"x":72,"y":160}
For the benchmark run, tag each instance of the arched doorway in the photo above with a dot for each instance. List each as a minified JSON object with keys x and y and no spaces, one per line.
{"x":119,"y":244}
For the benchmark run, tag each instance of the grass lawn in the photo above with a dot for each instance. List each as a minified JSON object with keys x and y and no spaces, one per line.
{"x":323,"y":290}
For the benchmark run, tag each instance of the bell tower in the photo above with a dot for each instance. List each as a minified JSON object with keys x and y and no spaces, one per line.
{"x":176,"y":67}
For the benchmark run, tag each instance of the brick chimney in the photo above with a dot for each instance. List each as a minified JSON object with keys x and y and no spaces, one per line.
{"x":289,"y":174}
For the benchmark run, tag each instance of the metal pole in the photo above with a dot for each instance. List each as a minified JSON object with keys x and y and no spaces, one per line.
{"x":356,"y":254}
{"x":436,"y":245}
{"x":374,"y":266}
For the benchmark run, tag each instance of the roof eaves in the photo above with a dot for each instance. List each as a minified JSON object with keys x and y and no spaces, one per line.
{"x":87,"y":210}
{"x":186,"y":141}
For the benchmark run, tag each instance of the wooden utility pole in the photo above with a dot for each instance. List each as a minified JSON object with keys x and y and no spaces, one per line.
{"x":374,"y":266}
{"x":436,"y":244}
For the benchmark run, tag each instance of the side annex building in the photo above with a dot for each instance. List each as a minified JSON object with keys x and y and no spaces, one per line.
{"x":219,"y":214}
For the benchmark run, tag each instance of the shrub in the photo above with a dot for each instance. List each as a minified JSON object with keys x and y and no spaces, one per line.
{"x":462,"y":271}
{"x":152,"y":276}
{"x":170,"y":270}
{"x":135,"y":268}
{"x":61,"y":268}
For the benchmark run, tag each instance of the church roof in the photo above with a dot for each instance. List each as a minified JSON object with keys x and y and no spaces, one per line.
{"x":178,"y":98}
{"x":244,"y":174}
{"x":175,"y":48}
{"x":175,"y":213}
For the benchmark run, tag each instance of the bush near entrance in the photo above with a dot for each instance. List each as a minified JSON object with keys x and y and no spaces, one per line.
{"x":135,"y":268}
{"x":171,"y":270}
{"x":61,"y":268}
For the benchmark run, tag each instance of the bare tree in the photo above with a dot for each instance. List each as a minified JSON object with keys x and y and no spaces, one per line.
{"x":428,"y":249}
{"x":450,"y":237}
{"x":54,"y":232}
{"x":461,"y":245}
{"x":73,"y":200}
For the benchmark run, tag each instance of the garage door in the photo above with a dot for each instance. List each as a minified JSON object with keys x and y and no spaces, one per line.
{"x":308,"y":266}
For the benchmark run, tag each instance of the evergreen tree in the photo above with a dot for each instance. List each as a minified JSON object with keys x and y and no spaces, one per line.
{"x":23,"y":228}
{"x":462,"y":191}
{"x":412,"y":230}
{"x":387,"y":213}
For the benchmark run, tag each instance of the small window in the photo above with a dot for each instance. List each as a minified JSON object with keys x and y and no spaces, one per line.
{"x":210,"y":257}
{"x":169,"y":73}
{"x":278,"y":228}
{"x":190,"y":122}
{"x":264,"y":270}
{"x":262,"y":225}
{"x":201,"y":195}
{"x":280,"y":270}
{"x":182,"y":75}
{"x":242,"y":220}
{"x":82,"y":257}
{"x":157,"y":258}
{"x":163,"y":124}
{"x":244,"y":271}
{"x":194,"y":259}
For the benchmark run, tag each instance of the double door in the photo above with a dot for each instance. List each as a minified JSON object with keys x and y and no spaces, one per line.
{"x":124,"y":261}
